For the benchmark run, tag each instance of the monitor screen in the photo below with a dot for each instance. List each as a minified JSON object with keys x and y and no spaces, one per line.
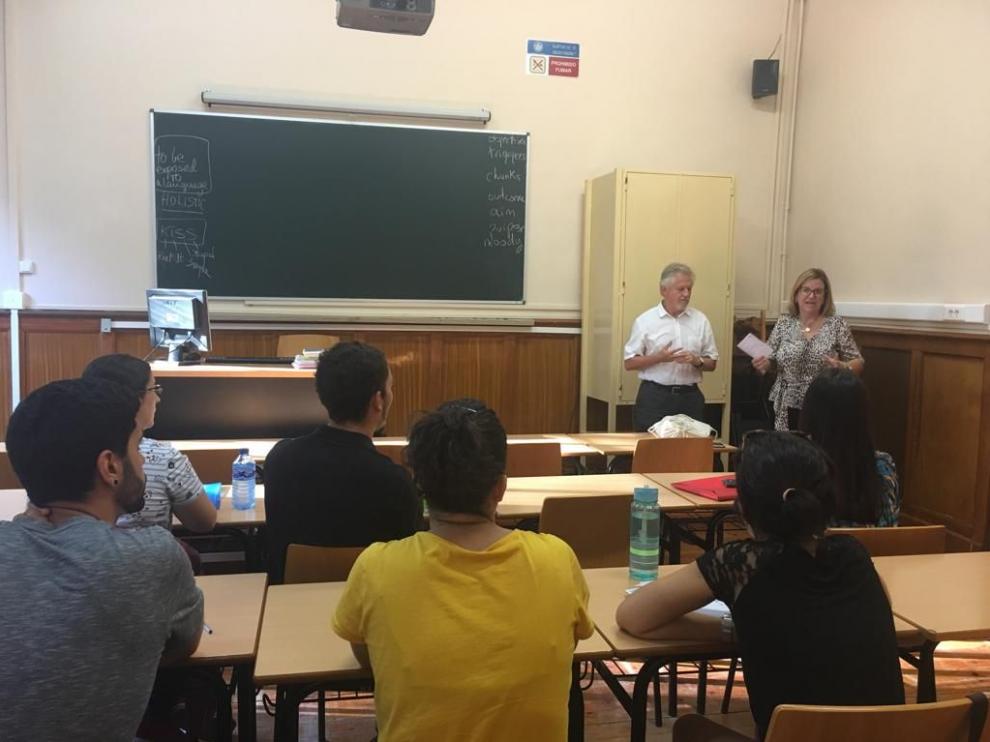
{"x":179,"y":320}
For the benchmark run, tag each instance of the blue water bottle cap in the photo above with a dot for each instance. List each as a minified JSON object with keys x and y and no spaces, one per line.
{"x":646,"y":494}
{"x":244,"y":452}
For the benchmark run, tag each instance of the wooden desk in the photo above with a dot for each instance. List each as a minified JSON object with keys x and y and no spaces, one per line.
{"x":666,"y":481}
{"x":712,"y":512}
{"x":615,"y":444}
{"x":571,"y":444}
{"x":233,"y":605}
{"x":946,"y":596}
{"x":569,"y":447}
{"x":607,"y":588}
{"x":230,"y":517}
{"x":524,"y":496}
{"x":259,"y":448}
{"x":235,"y":402}
{"x":166,"y":370}
{"x":298,"y":651}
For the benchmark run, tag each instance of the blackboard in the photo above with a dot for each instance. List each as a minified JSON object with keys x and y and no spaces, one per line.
{"x":250,"y":206}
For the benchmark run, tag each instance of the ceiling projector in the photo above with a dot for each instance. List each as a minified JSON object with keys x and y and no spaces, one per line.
{"x":410,"y":17}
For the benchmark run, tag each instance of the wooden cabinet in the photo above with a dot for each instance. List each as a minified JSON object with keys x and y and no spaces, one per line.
{"x":636,"y":223}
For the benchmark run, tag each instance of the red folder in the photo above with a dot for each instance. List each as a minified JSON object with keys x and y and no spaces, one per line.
{"x":711,"y":487}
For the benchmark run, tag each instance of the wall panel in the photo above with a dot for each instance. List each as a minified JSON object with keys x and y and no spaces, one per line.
{"x":931,"y":410}
{"x":888,"y":377}
{"x":543,"y":372}
{"x":943,"y":479}
{"x":529,"y":379}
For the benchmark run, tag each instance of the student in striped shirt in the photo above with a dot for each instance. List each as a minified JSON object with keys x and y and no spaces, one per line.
{"x":172,"y":484}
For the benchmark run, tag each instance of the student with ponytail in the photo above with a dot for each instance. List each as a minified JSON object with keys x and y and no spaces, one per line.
{"x":812,"y":620}
{"x":501,"y":610}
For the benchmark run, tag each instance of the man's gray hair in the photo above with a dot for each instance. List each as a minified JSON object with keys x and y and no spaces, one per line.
{"x":673,"y":269}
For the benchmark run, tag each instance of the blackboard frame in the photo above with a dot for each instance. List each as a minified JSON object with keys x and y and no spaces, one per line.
{"x":384,"y":301}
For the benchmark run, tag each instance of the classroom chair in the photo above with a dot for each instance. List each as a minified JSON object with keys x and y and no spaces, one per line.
{"x":8,"y":479}
{"x":292,"y":345}
{"x":596,"y":527}
{"x":212,"y":464}
{"x":898,"y":540}
{"x":658,"y":455}
{"x":959,"y":720}
{"x":533,"y":459}
{"x":304,"y":563}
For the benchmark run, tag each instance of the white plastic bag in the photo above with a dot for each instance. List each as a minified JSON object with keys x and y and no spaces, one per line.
{"x":681,"y":426}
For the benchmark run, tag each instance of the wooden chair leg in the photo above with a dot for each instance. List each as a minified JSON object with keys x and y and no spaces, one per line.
{"x":321,"y":720}
{"x":729,"y":680}
{"x":657,"y":701}
{"x":702,"y":687}
{"x":672,"y":689}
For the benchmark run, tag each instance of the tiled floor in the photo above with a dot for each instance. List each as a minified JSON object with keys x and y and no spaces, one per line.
{"x":962,"y":668}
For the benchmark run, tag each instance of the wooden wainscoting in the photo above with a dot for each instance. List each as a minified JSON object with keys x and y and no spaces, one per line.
{"x":931,"y":410}
{"x":530,"y":379}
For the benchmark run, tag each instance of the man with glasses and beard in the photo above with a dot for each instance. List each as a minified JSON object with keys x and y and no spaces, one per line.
{"x":88,"y":610}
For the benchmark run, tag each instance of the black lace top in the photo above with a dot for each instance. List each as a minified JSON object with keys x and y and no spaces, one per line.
{"x":810,"y":629}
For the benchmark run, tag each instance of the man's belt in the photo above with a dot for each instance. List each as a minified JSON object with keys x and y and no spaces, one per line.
{"x":675,"y":388}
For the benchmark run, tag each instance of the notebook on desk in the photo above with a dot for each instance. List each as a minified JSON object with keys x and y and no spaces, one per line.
{"x":713,"y":488}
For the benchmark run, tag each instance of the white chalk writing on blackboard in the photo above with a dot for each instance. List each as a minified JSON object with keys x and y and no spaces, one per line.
{"x":506,"y":194}
{"x":183,"y":178}
{"x":502,"y":195}
{"x":182,"y":164}
{"x":182,"y":242}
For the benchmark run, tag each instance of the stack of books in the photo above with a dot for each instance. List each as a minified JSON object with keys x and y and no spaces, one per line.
{"x":308,"y":358}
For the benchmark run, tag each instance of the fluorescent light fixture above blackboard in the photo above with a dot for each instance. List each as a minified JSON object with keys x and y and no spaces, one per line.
{"x":303,"y":102}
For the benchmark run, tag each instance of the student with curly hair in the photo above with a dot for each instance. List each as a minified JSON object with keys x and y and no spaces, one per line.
{"x":501,"y":610}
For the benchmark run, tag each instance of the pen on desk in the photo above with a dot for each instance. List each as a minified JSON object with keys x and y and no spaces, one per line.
{"x":206,"y":628}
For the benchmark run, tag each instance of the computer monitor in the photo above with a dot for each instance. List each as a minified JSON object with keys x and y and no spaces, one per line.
{"x":179,"y":320}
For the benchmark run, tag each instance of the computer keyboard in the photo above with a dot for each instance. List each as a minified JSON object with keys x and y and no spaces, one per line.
{"x":251,"y":361}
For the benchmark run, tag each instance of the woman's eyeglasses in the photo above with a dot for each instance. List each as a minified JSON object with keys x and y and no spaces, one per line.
{"x":805,"y":291}
{"x":157,"y":389}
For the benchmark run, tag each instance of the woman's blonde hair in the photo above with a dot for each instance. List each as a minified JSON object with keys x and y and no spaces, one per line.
{"x":828,"y":305}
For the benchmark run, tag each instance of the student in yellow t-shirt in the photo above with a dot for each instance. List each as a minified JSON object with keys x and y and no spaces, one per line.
{"x":470,"y":628}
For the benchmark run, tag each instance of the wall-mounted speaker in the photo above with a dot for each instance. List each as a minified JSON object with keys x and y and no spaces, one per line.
{"x":765,"y":75}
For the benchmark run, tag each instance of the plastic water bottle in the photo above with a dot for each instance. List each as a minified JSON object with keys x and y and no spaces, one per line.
{"x":242,"y":481}
{"x":644,"y":534}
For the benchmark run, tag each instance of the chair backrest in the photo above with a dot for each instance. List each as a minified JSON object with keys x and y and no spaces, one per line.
{"x":533,"y":459}
{"x":946,"y":721}
{"x":291,"y":345}
{"x":595,"y":527}
{"x":8,"y":479}
{"x":319,"y":563}
{"x":655,"y":455}
{"x":212,"y":464}
{"x":898,"y":540}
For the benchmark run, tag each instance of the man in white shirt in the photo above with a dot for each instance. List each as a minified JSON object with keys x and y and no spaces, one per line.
{"x":670,"y":346}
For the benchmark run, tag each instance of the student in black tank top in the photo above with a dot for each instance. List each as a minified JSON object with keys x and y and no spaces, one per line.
{"x":812,"y":619}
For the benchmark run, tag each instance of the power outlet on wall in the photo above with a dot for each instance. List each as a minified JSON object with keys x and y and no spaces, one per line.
{"x":953,"y":312}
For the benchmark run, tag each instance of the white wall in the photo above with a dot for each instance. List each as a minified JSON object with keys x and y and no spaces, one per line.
{"x":891,"y":183}
{"x":662,"y":86}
